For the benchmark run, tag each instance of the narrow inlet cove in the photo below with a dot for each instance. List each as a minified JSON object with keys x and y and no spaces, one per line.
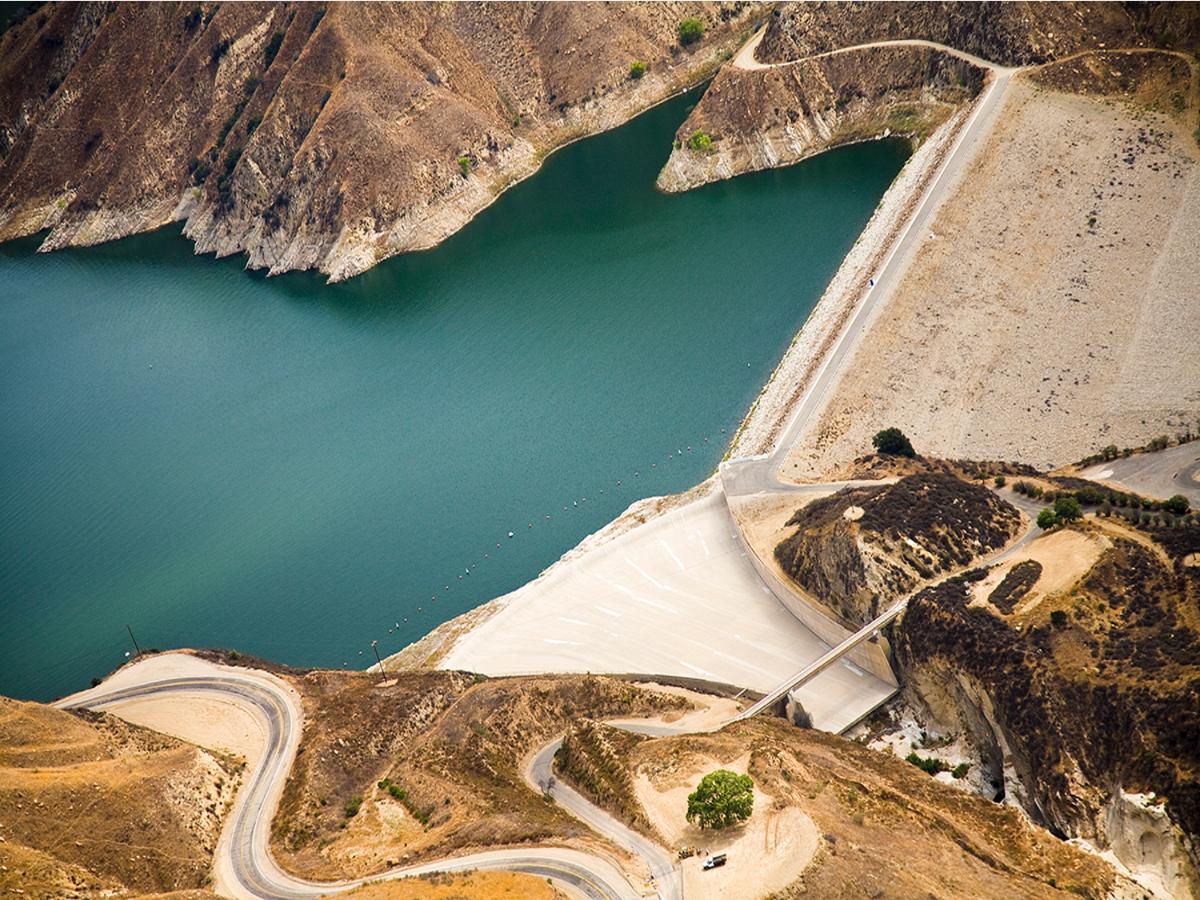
{"x":293,"y":469}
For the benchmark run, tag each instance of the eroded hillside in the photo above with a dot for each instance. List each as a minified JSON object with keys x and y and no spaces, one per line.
{"x":313,"y":136}
{"x":861,"y":549}
{"x":92,"y":805}
{"x":1073,"y":671}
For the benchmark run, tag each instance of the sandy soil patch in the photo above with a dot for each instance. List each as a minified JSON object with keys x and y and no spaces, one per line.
{"x":1050,"y":310}
{"x":766,"y":854}
{"x":199,"y":719}
{"x":710,"y":711}
{"x":1065,"y":556}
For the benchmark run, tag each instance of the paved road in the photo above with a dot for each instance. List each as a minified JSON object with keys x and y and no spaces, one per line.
{"x":745,"y":56}
{"x":540,"y":776}
{"x":1159,"y":475}
{"x":243,"y":862}
{"x":762,"y":473}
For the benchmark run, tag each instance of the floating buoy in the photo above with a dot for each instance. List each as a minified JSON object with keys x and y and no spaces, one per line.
{"x":510,"y":534}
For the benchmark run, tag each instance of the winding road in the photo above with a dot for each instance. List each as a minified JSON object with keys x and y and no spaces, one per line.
{"x":243,"y":864}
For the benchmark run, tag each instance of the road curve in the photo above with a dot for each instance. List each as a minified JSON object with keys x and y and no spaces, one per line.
{"x":243,"y":863}
{"x":539,"y":775}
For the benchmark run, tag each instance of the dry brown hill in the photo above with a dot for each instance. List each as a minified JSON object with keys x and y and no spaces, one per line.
{"x":92,"y":805}
{"x":311,"y":135}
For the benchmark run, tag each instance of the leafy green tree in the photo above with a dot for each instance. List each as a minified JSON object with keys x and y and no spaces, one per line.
{"x":1178,"y":505}
{"x":691,"y":30}
{"x":700,"y":142}
{"x":637,"y":69}
{"x":1046,"y":519}
{"x":1058,"y":619}
{"x":1067,"y":509}
{"x":893,"y":442}
{"x":723,"y":798}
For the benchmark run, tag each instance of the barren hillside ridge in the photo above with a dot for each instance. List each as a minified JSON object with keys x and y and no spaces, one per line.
{"x":311,"y":136}
{"x":90,"y":805}
{"x":863,"y":548}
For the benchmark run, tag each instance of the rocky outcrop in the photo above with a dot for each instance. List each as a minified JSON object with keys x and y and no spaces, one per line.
{"x":763,"y":118}
{"x":312,"y":136}
{"x":1092,"y":724}
{"x":863,"y":548}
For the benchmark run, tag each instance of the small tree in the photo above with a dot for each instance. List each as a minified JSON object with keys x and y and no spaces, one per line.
{"x":1178,"y":505}
{"x":1001,"y":481}
{"x":893,"y":442}
{"x":1046,"y":519}
{"x":637,"y":69}
{"x":464,"y":165}
{"x":723,"y":798}
{"x":1067,"y":509}
{"x":691,"y":30}
{"x":1058,"y":619}
{"x":700,"y":142}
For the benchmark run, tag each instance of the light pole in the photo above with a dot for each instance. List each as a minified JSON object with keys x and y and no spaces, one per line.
{"x":137,"y":649}
{"x":375,"y":647}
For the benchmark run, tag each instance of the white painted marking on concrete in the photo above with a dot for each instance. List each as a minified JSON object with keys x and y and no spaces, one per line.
{"x":608,"y":612}
{"x":696,"y":669}
{"x":555,"y":641}
{"x":633,"y":595}
{"x":671,"y":553}
{"x":574,"y":621}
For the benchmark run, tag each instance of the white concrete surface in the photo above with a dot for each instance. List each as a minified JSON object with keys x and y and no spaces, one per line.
{"x":675,"y":596}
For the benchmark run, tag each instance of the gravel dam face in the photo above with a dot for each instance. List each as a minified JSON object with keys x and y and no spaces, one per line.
{"x":295,"y":469}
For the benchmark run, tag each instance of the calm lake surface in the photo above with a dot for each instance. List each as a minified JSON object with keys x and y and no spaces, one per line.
{"x":291,"y":468}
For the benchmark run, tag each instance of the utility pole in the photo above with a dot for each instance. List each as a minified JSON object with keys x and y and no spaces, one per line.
{"x":375,"y":647}
{"x":135,"y":643}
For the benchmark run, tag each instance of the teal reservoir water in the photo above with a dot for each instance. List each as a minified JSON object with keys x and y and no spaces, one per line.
{"x":294,"y":469}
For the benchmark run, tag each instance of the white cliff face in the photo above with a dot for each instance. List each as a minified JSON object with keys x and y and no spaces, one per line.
{"x":1143,"y":839}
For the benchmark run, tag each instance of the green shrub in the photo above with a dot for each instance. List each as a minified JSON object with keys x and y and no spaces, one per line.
{"x":960,"y":771}
{"x":930,"y":764}
{"x":893,"y":442}
{"x":1001,"y":481}
{"x":272,"y":49}
{"x":1046,"y":519}
{"x":464,"y":165}
{"x":637,"y":69}
{"x":1058,"y":618}
{"x":700,"y":142}
{"x":691,"y":30}
{"x":352,"y":806}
